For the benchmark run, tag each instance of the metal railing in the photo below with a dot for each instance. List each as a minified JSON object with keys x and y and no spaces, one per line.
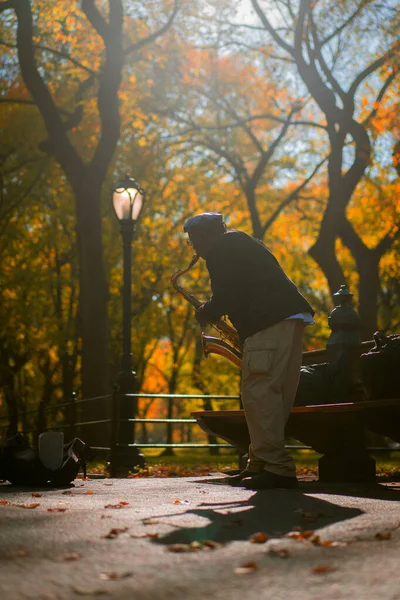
{"x":35,"y":421}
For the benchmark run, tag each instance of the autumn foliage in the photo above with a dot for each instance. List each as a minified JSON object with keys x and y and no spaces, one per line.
{"x":266,"y":117}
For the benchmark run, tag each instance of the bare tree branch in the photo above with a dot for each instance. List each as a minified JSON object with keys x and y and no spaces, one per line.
{"x":53,"y":51}
{"x":372,"y":67}
{"x":292,"y":196}
{"x":153,"y":36}
{"x":267,"y":25}
{"x":379,"y":97}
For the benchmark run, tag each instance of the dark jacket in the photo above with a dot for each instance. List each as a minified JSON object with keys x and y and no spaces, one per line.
{"x":249,"y":285}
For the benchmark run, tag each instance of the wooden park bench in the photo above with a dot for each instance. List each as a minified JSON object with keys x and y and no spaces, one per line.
{"x":335,"y":430}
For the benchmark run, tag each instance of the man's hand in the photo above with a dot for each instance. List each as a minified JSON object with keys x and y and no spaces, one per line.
{"x":201,"y":317}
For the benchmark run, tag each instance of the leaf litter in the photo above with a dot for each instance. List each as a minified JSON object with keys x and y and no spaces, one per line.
{"x":115,"y":532}
{"x":194,"y":546}
{"x":247,"y":567}
{"x":121,"y":504}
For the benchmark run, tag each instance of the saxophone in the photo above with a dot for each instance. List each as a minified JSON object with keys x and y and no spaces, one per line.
{"x":228,"y":345}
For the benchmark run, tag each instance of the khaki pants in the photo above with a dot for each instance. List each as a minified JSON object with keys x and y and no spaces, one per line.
{"x":271,"y":371}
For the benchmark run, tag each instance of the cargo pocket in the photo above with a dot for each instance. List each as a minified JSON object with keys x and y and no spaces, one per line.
{"x":260,"y":360}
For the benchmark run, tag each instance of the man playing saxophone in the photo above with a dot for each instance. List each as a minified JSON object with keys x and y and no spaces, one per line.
{"x":268,"y":311}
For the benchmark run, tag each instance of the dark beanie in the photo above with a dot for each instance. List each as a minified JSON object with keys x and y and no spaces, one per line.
{"x":208,"y":222}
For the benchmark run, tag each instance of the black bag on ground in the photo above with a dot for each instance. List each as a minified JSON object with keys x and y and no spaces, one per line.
{"x":380,"y":368}
{"x":54,"y":463}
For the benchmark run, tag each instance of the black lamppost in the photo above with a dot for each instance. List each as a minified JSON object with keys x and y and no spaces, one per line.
{"x":127,"y":199}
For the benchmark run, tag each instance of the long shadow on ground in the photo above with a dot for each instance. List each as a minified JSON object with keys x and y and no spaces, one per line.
{"x":275,"y":512}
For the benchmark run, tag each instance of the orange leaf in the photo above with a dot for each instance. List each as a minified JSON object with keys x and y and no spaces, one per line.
{"x":384,"y":536}
{"x":307,"y":534}
{"x":36,"y":495}
{"x":295,"y":535}
{"x":180,"y":548}
{"x":115,"y":532}
{"x":56,"y":509}
{"x":32,"y":505}
{"x":3,"y":502}
{"x":88,"y":492}
{"x":258,"y":538}
{"x":323,"y":569}
{"x":330,"y":543}
{"x":248,"y":567}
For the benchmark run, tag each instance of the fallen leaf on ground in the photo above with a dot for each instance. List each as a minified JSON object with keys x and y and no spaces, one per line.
{"x":328,"y":543}
{"x":177,"y":501}
{"x":57,"y":509}
{"x":3,"y":502}
{"x":115,"y":532}
{"x":212,"y":545}
{"x":309,"y":533}
{"x":113,"y":575}
{"x":194,"y":546}
{"x":121,"y":504}
{"x":249,"y":567}
{"x":179,"y":548}
{"x":150,"y":521}
{"x":323,"y":569}
{"x":88,"y":492}
{"x":279,"y":552}
{"x":72,"y":556}
{"x":31,"y":505}
{"x":384,"y":536}
{"x":36,"y":495}
{"x":294,"y":535}
{"x":258,"y":538}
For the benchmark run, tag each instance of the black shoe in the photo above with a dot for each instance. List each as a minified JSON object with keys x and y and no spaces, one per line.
{"x":238,"y":479}
{"x":268,"y":481}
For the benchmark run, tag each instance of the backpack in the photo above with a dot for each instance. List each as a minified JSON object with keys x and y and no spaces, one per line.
{"x":53,"y":463}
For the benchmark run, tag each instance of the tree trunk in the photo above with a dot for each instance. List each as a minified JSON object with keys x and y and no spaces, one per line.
{"x":93,"y":295}
{"x":93,"y":298}
{"x":369,"y":287}
{"x":324,"y":254}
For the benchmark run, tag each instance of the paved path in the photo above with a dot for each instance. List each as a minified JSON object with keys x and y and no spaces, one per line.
{"x":50,"y":555}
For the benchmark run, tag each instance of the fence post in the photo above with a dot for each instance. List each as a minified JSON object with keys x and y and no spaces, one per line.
{"x":114,"y":432}
{"x":72,"y":415}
